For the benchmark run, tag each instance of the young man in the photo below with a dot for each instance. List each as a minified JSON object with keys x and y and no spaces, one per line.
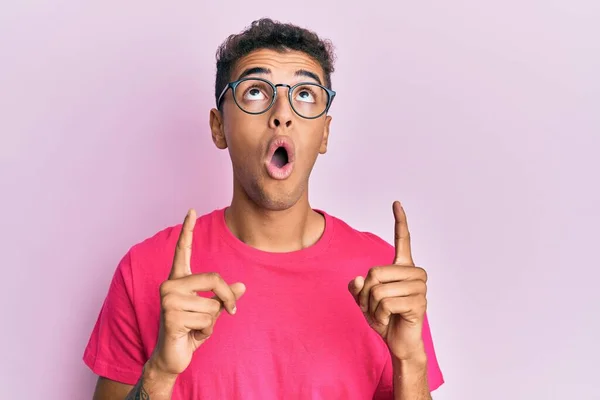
{"x":267,"y":298}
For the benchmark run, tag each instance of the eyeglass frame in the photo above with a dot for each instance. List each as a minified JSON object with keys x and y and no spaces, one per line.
{"x":233,"y":85}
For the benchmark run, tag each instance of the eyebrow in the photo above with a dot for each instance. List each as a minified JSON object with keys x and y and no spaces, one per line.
{"x":267,"y":71}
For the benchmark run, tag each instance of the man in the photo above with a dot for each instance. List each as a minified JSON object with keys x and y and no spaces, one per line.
{"x":267,"y":298}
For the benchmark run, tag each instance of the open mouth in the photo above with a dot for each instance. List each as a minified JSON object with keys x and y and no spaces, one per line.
{"x":280,"y":157}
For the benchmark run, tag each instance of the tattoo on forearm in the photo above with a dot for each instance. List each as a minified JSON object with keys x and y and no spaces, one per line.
{"x":138,"y":392}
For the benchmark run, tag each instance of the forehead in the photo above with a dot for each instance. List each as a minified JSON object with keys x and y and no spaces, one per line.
{"x":282,"y":64}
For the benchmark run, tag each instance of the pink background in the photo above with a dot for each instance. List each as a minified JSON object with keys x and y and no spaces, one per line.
{"x":482,"y":117}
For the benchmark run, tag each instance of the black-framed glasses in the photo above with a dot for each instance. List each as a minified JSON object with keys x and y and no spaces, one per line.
{"x":256,"y":96}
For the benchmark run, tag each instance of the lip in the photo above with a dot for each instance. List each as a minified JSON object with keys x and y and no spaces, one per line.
{"x":284,"y":172}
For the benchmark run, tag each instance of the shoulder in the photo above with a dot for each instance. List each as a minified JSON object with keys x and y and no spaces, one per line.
{"x":154,"y":253}
{"x":360,"y":240}
{"x":362,"y":237}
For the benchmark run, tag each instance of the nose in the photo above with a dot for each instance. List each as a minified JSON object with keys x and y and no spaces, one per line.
{"x":281,"y":112}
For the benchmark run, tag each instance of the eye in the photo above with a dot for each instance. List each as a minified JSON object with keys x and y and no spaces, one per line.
{"x":254,"y":93}
{"x":306,"y":95}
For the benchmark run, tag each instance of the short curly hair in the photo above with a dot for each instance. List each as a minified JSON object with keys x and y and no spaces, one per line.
{"x":268,"y":34}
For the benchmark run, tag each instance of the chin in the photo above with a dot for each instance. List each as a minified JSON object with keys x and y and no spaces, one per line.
{"x":269,"y":194}
{"x":276,"y":203}
{"x":275,"y":200}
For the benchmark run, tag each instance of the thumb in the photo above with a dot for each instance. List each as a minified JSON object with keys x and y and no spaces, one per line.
{"x":238,"y":289}
{"x":355,"y":286}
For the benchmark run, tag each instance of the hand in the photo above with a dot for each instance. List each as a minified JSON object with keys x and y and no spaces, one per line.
{"x":187,"y":319}
{"x":393,"y":297}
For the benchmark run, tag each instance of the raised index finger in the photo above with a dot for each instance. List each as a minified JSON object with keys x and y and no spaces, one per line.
{"x":183,"y":251}
{"x":401,"y":236}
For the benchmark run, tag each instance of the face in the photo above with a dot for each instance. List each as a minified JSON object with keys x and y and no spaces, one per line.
{"x":272,"y":153}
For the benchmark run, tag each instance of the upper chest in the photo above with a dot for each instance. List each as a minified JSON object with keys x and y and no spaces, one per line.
{"x":294,"y":328}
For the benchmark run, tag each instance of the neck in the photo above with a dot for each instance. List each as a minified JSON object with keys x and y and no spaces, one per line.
{"x":287,"y":230}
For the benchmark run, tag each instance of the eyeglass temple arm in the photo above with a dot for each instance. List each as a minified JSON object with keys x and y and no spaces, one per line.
{"x":223,"y":94}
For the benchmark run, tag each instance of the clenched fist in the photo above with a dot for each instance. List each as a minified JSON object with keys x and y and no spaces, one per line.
{"x":187,"y":319}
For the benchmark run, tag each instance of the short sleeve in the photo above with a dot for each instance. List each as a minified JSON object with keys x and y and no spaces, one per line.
{"x":115,"y":350}
{"x":435,"y":378}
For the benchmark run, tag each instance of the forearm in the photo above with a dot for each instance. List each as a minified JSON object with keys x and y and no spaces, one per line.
{"x":410,"y":379}
{"x":152,"y":385}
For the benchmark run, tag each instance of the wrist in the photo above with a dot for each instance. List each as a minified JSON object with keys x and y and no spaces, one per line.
{"x":410,"y":366}
{"x":414,"y":351}
{"x":410,"y":377}
{"x":156,"y":379}
{"x":413,"y":362}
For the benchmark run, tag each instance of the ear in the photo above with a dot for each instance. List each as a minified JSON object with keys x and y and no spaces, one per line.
{"x":216,"y":128}
{"x":323,"y":148}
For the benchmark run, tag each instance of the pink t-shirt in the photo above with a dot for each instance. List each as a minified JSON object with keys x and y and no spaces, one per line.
{"x":297,"y":333}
